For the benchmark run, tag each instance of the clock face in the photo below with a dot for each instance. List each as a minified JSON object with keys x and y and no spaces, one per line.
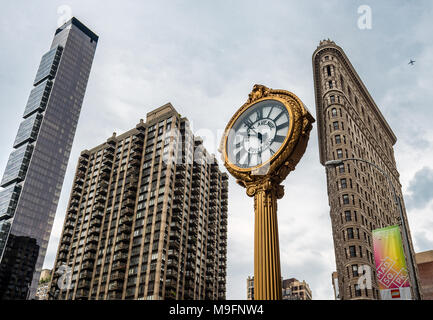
{"x":258,"y":134}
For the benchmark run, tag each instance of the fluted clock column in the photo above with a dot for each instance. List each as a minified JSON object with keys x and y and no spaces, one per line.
{"x":267,"y":271}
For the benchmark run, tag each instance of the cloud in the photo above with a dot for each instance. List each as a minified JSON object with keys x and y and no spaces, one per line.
{"x":421,"y":189}
{"x":204,"y":57}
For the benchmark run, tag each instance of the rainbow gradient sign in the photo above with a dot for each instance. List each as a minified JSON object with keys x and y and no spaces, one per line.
{"x":391,"y":270}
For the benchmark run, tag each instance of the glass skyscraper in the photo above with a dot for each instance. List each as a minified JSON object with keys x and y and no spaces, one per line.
{"x":34,"y":173}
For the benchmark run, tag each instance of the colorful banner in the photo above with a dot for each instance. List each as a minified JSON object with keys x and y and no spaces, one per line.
{"x":391,"y":268}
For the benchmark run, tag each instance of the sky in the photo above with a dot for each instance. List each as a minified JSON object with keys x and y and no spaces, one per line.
{"x":204,"y":57}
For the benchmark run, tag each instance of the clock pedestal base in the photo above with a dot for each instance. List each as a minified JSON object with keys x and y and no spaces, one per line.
{"x":267,"y":270}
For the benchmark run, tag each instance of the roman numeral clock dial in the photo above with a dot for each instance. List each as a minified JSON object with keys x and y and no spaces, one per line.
{"x":258,"y":134}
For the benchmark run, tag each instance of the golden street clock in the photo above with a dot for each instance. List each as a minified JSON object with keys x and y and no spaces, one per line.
{"x":268,"y":132}
{"x":262,"y":143}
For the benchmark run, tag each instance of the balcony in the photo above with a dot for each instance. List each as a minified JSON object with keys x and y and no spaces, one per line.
{"x":82,"y":293}
{"x":76,"y":195}
{"x":105,"y":176}
{"x":85,"y":275}
{"x":174,"y":236}
{"x":107,"y":162}
{"x":130,"y":195}
{"x":78,"y":185}
{"x":94,"y":231}
{"x":121,"y":256}
{"x":62,"y":257}
{"x":170,"y":284}
{"x":117,"y":266}
{"x":135,"y":163}
{"x":117,"y":276}
{"x":73,"y":208}
{"x":71,"y":219}
{"x":129,"y":203}
{"x":114,"y":295}
{"x":128,"y":211}
{"x":193,"y":215}
{"x":88,"y":265}
{"x":179,"y":183}
{"x":175,"y":244}
{"x":121,"y":247}
{"x":179,"y":191}
{"x":95,"y":223}
{"x":192,"y":240}
{"x":123,"y":238}
{"x":82,"y":167}
{"x":64,"y":248}
{"x":115,"y":286}
{"x":91,"y":248}
{"x":110,"y":148}
{"x":171,"y":274}
{"x":180,"y":175}
{"x":68,"y":231}
{"x":175,"y":226}
{"x":124,"y":229}
{"x":83,"y":161}
{"x":177,"y":208}
{"x":178,"y":199}
{"x":89,"y":257}
{"x":136,"y":154}
{"x":126,"y":220}
{"x":66,"y":240}
{"x":92,"y":239}
{"x":74,"y":202}
{"x":108,"y":156}
{"x":97,"y":215}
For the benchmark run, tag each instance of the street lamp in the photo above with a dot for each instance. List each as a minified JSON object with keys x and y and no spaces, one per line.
{"x":335,"y":163}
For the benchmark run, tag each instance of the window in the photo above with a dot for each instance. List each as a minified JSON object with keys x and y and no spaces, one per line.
{"x":357,"y":290}
{"x":355,"y":270}
{"x":348,"y":216}
{"x":352,"y":251}
{"x":350,"y":234}
{"x":330,"y":84}
{"x":339,"y":153}
{"x":328,"y":70}
{"x":337,"y":139}
{"x":335,"y":125}
{"x":345,"y":199}
{"x":341,"y":168}
{"x":332,"y":99}
{"x":334,"y":112}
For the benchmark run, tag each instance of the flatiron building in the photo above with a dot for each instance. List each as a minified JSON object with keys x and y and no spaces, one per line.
{"x":147,"y":218}
{"x":34,"y":173}
{"x":350,"y":125}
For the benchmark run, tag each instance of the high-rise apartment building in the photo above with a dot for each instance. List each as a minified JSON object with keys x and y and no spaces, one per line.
{"x":424,"y":261}
{"x":147,"y":218}
{"x":350,"y":125}
{"x":292,"y":289}
{"x":34,"y":173}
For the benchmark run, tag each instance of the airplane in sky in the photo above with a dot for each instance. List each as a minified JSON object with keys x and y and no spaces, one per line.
{"x":412,"y":62}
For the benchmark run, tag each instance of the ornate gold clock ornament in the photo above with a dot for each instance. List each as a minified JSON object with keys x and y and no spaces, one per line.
{"x":263,"y":142}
